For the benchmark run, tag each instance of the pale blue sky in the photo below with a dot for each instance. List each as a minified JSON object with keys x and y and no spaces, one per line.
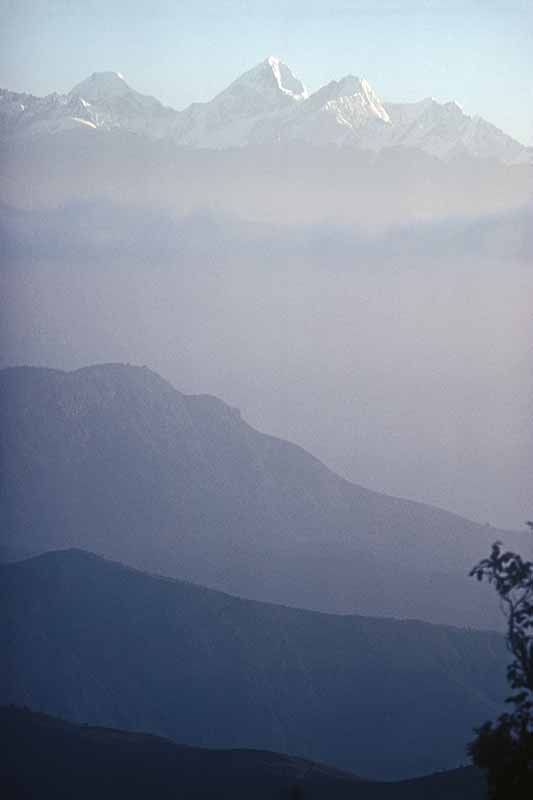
{"x":478,"y":52}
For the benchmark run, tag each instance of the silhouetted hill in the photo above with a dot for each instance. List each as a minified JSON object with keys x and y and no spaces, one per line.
{"x":113,"y":459}
{"x":94,"y":641}
{"x":46,"y":757}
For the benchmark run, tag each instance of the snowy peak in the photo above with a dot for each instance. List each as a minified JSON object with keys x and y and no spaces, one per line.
{"x":267,"y":104}
{"x":100,"y":86}
{"x":352,"y":95}
{"x":372,"y":101}
{"x":345,"y":112}
{"x":444,"y":130}
{"x":241,"y":113}
{"x":267,"y":86}
{"x":285,"y":79}
{"x":272,"y":76}
{"x":111,"y":103}
{"x":112,"y":97}
{"x":103,"y":101}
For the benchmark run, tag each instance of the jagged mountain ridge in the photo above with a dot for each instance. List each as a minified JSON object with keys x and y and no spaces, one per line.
{"x":267,"y":104}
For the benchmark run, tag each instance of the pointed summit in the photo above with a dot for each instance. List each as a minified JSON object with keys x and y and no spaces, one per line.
{"x":354,"y":95}
{"x":109,"y":99}
{"x":271,"y":82}
{"x":267,"y":104}
{"x":101,"y":85}
{"x":238,"y":114}
{"x":287,"y":82}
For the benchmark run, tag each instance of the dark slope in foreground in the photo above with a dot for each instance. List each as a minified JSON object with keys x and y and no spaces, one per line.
{"x":46,"y":757}
{"x":96,"y":642}
{"x":114,"y":460}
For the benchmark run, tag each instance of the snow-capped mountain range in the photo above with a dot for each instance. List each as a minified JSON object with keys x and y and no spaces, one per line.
{"x":267,"y":104}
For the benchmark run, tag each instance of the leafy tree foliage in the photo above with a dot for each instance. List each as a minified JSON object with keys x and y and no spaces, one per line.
{"x":504,"y":748}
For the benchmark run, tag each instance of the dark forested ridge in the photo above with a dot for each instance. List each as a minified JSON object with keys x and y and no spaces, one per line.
{"x":94,"y":641}
{"x":113,"y":459}
{"x":47,"y":757}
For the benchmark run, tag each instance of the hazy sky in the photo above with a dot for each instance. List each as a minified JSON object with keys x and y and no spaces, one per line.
{"x":478,"y":52}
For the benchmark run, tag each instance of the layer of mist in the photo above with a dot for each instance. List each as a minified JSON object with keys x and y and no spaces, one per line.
{"x":400,"y":357}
